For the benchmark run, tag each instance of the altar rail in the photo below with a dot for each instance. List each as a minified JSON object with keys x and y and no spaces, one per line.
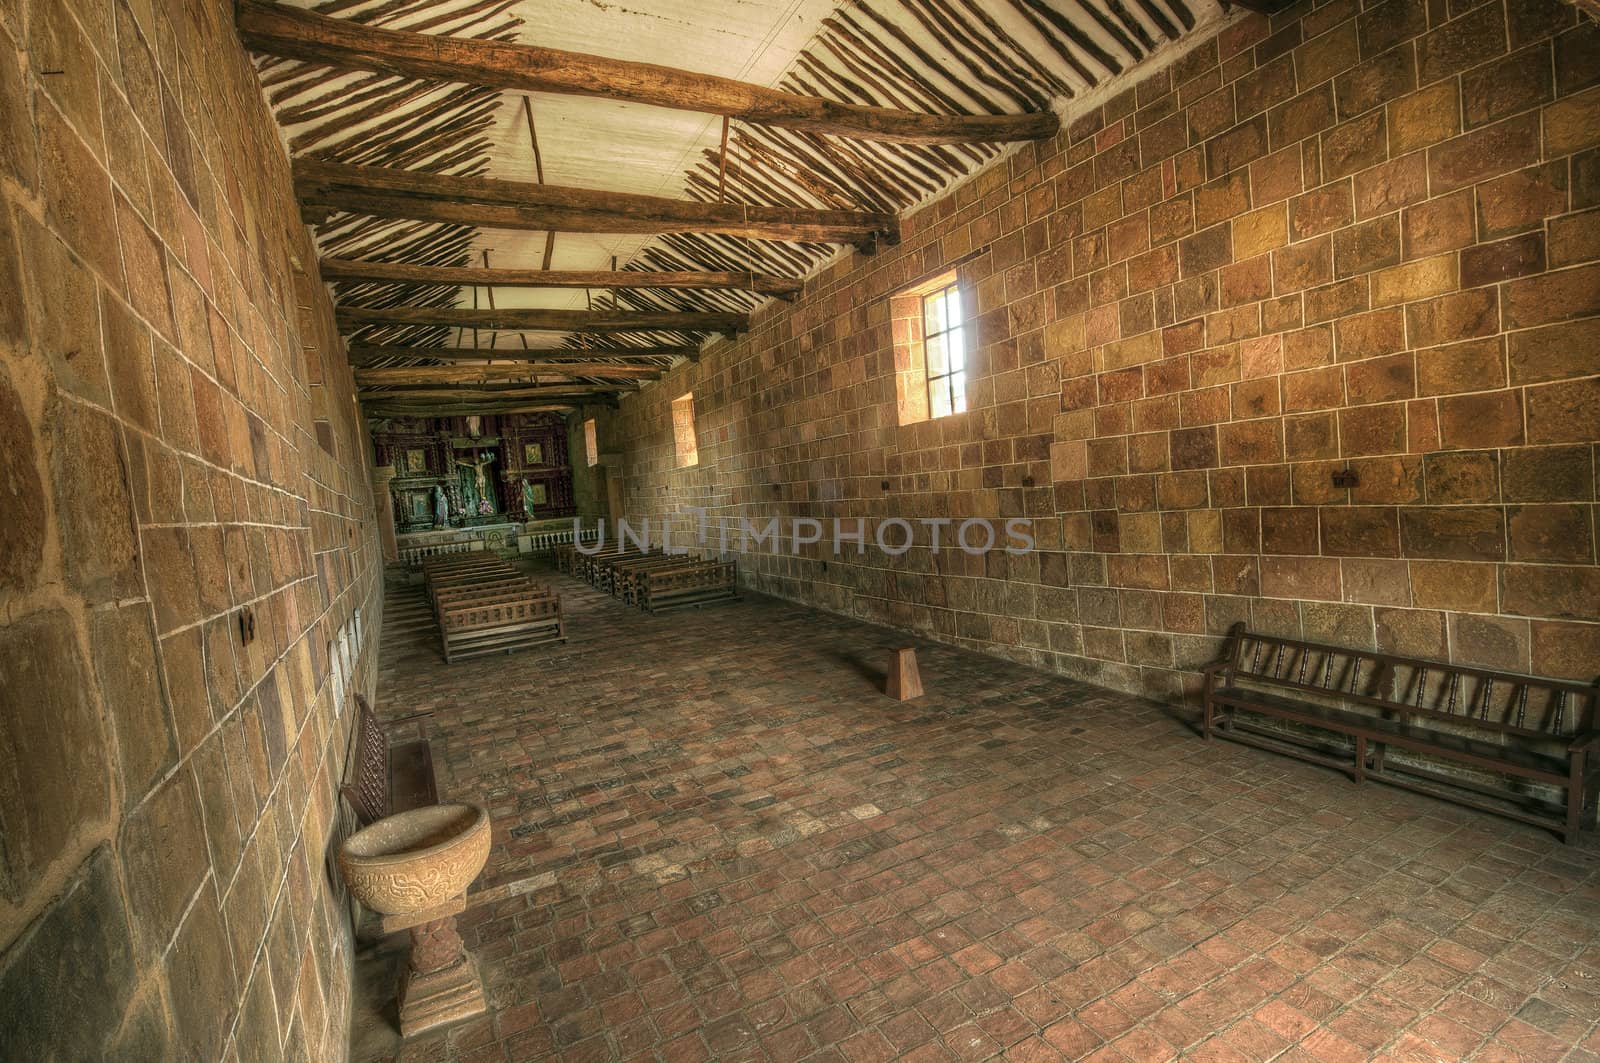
{"x":416,"y":555}
{"x":544,"y":542}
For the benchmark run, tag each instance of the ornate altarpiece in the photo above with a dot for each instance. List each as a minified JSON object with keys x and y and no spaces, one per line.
{"x":520,"y":460}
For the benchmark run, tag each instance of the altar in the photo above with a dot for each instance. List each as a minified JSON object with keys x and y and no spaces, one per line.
{"x":481,"y":476}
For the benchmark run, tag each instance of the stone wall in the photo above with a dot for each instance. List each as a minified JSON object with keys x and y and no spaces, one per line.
{"x":174,"y":448}
{"x":1337,"y":239}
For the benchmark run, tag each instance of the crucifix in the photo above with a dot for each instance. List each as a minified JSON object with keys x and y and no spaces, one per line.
{"x":477,"y":467}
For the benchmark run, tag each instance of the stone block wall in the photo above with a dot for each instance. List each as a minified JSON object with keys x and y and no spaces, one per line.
{"x":1350,"y":237}
{"x":176,"y":446}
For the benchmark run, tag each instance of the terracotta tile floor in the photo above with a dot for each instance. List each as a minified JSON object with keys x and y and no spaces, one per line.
{"x":715,"y":839}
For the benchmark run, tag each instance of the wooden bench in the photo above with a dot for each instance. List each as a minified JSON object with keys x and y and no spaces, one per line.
{"x":461,"y":592}
{"x":613,"y":572}
{"x":587,"y":566}
{"x":694,"y":583}
{"x":387,"y":779}
{"x":460,"y":562}
{"x":466,"y":577}
{"x":446,"y":580}
{"x":501,"y":624}
{"x":625,"y":575}
{"x":1529,"y":729}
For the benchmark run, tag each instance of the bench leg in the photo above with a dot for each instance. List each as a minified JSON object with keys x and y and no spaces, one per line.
{"x":1206,"y":726}
{"x":1577,"y":790}
{"x":1361,"y":758}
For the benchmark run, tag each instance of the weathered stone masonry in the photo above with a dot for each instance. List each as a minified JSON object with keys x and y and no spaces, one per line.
{"x":173,"y":448}
{"x":1343,"y":238}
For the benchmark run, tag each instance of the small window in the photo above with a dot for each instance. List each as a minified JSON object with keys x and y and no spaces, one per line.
{"x":944,"y":348}
{"x":683,"y":431}
{"x":591,"y":448}
{"x":931,"y":338}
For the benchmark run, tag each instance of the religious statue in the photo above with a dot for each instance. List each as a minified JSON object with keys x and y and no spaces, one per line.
{"x":441,"y":507}
{"x":527,"y":500}
{"x":477,"y":467}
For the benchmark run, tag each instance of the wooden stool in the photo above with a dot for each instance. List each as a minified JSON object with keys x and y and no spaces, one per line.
{"x":904,"y":681}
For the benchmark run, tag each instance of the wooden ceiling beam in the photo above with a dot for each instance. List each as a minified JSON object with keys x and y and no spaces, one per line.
{"x":1264,"y":7}
{"x":364,"y":354}
{"x":487,"y":393}
{"x":486,"y":374}
{"x":278,"y":29}
{"x":348,"y":269}
{"x":487,"y":202}
{"x":389,"y":410}
{"x":526,"y":319}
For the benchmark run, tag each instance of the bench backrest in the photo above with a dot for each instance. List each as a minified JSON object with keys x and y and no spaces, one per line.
{"x":524,"y":610}
{"x":368,"y":790}
{"x":453,"y":579}
{"x":1480,"y":697}
{"x":697,"y":574}
{"x":500,"y":583}
{"x":450,"y":608}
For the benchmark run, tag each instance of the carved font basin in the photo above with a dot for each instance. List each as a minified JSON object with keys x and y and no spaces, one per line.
{"x":416,"y":860}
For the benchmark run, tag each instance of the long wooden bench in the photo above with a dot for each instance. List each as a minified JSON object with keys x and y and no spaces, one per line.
{"x":488,"y":606}
{"x":611,"y":573}
{"x":587,"y":566}
{"x":625,"y":575}
{"x":446,"y":580}
{"x":387,"y":779}
{"x":497,"y":585}
{"x":1524,"y":729}
{"x":693,"y":583}
{"x":450,"y":585}
{"x":460,"y":562}
{"x":500,"y":625}
{"x":592,"y":568}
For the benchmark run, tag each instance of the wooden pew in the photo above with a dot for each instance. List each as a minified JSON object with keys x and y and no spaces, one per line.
{"x":460,"y":562}
{"x":625,"y":575}
{"x":492,"y":588}
{"x":1524,"y":727}
{"x":466,"y":578}
{"x":387,"y":779}
{"x":694,"y":583}
{"x":590,"y":567}
{"x":612,"y":571}
{"x":500,"y":624}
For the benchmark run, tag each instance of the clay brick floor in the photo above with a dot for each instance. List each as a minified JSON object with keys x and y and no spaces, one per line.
{"x":714,"y":839}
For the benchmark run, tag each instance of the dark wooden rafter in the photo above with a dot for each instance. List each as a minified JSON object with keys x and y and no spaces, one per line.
{"x":488,"y":374}
{"x":344,"y":269}
{"x":490,"y":392}
{"x":377,"y":410}
{"x":367,"y":354}
{"x":1264,"y":7}
{"x":325,"y":187}
{"x":521,"y":319}
{"x":284,"y":31}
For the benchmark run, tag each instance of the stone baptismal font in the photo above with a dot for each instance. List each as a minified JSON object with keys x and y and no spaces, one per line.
{"x":413,"y":869}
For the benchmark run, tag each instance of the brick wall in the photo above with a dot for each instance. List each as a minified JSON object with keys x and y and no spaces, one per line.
{"x":173,"y":447}
{"x":1338,"y":239}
